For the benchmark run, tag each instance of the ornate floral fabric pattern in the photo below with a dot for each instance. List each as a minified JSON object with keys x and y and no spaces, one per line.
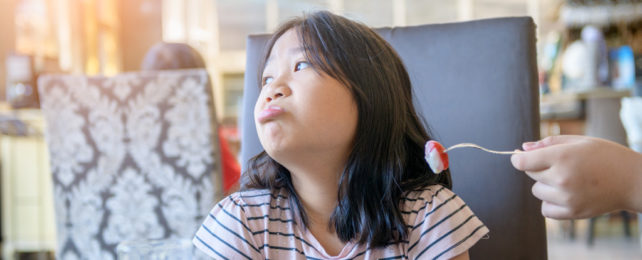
{"x":133,"y":157}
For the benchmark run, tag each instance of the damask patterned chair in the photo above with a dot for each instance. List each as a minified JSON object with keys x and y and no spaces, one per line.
{"x":133,"y":157}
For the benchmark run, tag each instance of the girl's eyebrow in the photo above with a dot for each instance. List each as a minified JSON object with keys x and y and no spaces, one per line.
{"x":291,"y":51}
{"x":296,"y":50}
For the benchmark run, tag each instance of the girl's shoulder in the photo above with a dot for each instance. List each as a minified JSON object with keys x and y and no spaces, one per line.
{"x":260,"y":195}
{"x":426,"y":195}
{"x":256,"y":202}
{"x":232,"y":228}
{"x":415,"y":204}
{"x":440,"y":224}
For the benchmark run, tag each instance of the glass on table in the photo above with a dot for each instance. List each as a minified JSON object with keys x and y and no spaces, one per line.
{"x":158,"y":249}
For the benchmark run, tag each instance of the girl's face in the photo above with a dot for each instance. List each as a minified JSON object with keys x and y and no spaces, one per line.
{"x":302,"y":113}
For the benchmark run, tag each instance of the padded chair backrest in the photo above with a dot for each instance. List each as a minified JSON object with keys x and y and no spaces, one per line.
{"x":133,"y":157}
{"x":473,"y":82}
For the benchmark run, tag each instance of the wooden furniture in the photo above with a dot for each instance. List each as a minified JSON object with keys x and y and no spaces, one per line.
{"x":594,"y":113}
{"x":27,"y":202}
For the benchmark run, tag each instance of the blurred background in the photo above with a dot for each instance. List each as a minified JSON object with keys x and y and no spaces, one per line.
{"x":588,"y":51}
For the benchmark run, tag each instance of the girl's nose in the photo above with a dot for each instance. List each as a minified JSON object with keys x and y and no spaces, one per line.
{"x":279,"y":92}
{"x":275,"y":96}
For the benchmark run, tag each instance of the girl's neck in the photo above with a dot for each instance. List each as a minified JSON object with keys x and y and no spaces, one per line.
{"x":317,"y":190}
{"x":315,"y":177}
{"x":316,"y":182}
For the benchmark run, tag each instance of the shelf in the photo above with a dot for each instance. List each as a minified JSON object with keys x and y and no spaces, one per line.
{"x":597,"y":92}
{"x":568,"y":105}
{"x":600,"y":14}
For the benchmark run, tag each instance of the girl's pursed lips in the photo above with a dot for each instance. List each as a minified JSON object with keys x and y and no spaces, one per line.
{"x":269,"y":113}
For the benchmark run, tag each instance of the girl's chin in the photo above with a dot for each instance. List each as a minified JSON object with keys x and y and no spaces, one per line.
{"x":279,"y":154}
{"x":271,"y":134}
{"x":274,"y":151}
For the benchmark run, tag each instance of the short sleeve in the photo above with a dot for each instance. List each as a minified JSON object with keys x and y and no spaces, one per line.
{"x":445,"y":226}
{"x":225,"y":233}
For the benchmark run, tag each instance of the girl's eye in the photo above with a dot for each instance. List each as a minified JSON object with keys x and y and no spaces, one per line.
{"x":267,"y":80}
{"x":301,"y":65}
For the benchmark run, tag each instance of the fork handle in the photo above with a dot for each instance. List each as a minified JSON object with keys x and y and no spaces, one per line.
{"x":479,"y":147}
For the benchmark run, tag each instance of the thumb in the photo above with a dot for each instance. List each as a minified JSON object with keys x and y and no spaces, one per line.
{"x":551,"y":140}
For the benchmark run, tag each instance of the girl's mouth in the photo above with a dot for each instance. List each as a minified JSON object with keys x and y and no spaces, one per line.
{"x":269,"y":113}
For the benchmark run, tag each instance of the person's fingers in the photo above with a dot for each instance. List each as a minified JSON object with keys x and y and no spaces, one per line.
{"x":551,"y":210}
{"x":551,"y":140}
{"x":535,"y":161}
{"x":549,"y":193}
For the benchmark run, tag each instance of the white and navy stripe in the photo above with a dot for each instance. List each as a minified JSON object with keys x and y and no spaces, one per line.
{"x":260,"y":225}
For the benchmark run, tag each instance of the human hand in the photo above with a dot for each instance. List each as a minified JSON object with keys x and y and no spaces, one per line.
{"x":581,"y":177}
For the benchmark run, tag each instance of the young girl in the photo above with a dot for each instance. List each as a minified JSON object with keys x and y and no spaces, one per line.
{"x":343,"y":174}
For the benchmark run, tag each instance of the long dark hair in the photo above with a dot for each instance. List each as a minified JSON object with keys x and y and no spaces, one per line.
{"x":387,"y":159}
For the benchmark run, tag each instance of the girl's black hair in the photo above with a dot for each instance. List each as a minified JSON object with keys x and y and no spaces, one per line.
{"x":387,"y":159}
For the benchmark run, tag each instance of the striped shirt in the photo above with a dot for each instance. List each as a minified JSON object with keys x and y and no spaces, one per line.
{"x":258,"y":224}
